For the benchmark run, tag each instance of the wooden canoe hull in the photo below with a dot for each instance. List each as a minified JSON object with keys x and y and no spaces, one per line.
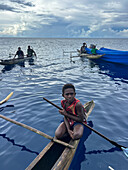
{"x":90,"y":56}
{"x":56,"y":156}
{"x":47,"y":157}
{"x":14,"y":61}
{"x":66,"y":157}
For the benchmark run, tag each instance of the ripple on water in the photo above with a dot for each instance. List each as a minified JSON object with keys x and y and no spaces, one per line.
{"x":45,"y":78}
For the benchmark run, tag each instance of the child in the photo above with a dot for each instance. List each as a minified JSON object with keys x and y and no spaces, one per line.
{"x":74,"y":114}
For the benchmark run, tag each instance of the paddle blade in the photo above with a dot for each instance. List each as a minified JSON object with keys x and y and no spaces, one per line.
{"x":125,"y":150}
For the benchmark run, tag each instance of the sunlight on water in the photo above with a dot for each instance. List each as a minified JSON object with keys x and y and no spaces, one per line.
{"x":105,"y":83}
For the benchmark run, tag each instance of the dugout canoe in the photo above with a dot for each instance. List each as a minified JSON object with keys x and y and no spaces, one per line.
{"x":14,"y":61}
{"x":56,"y":156}
{"x":91,"y":56}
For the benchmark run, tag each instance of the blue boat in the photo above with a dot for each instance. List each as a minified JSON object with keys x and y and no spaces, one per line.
{"x":110,"y":55}
{"x":113,"y":51}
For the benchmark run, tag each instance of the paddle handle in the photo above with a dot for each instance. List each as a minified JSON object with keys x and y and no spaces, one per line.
{"x":83,"y":122}
{"x":112,"y":142}
{"x":52,"y":103}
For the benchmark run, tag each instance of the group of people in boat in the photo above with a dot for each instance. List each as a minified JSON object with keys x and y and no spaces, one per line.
{"x":92,"y":47}
{"x":20,"y":53}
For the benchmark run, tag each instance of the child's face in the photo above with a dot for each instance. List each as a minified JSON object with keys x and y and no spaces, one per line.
{"x":69,"y":95}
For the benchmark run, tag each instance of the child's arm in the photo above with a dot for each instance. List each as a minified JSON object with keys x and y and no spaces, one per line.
{"x":68,"y":127}
{"x":80,"y":113}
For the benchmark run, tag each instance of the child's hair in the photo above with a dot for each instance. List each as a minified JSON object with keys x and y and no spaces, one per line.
{"x":66,"y":86}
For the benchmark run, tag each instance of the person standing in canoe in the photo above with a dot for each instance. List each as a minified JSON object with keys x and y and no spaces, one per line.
{"x":74,"y":115}
{"x":30,"y":52}
{"x":20,"y":53}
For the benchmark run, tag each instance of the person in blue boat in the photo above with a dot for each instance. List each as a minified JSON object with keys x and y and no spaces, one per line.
{"x":30,"y":52}
{"x":74,"y":115}
{"x":20,"y":53}
{"x":93,"y":50}
{"x":83,"y":48}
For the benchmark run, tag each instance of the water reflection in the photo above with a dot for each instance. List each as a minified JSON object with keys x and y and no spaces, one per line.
{"x":8,"y":68}
{"x":23,"y":148}
{"x":31,"y":61}
{"x":112,"y":70}
{"x":80,"y":152}
{"x":22,"y":64}
{"x":2,"y":108}
{"x":104,"y":151}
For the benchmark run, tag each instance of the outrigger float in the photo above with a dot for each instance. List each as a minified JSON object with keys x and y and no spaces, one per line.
{"x":6,"y":99}
{"x":86,"y":55}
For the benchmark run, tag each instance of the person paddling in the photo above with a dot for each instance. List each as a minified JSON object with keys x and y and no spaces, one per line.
{"x":30,"y":52}
{"x":20,"y":53}
{"x":83,"y":48}
{"x":74,"y":115}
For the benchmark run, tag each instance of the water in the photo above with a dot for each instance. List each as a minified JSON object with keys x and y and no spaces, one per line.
{"x":105,"y":83}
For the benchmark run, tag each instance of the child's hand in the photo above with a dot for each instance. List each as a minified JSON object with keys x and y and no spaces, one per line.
{"x":70,"y":133}
{"x":63,"y":112}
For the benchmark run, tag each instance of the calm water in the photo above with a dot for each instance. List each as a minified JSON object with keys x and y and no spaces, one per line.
{"x":105,"y":83}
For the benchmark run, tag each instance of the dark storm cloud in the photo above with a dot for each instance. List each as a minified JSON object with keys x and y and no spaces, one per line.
{"x":66,"y":19}
{"x":6,"y":8}
{"x":22,"y":2}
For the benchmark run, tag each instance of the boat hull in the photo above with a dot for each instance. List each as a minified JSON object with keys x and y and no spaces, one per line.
{"x":14,"y":61}
{"x":56,"y":156}
{"x":110,"y":55}
{"x":90,"y":56}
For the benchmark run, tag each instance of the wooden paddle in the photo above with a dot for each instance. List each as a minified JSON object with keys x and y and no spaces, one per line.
{"x":37,"y":131}
{"x":7,"y":98}
{"x":125,"y":149}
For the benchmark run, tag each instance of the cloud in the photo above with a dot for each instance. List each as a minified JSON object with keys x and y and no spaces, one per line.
{"x":22,"y":2}
{"x":14,"y":29}
{"x":53,"y":18}
{"x":6,"y":8}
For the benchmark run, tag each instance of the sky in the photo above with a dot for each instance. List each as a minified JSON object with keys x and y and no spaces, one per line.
{"x":64,"y":18}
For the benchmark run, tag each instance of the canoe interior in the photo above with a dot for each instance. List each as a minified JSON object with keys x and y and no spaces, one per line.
{"x":56,"y":156}
{"x":66,"y":157}
{"x":48,"y":158}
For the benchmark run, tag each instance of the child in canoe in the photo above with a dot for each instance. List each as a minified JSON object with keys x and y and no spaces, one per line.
{"x":74,"y":115}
